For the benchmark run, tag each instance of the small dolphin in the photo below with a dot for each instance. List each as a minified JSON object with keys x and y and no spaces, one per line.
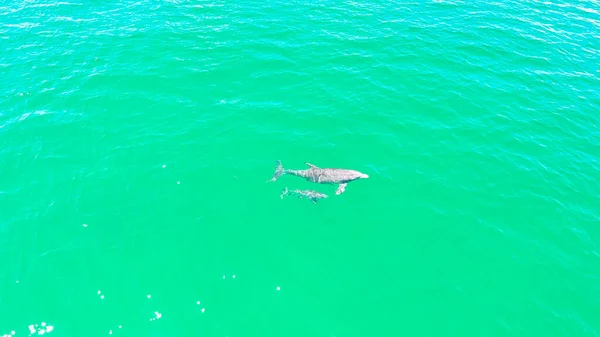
{"x":322,"y":175}
{"x":312,"y":195}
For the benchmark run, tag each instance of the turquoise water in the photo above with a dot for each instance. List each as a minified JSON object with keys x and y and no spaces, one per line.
{"x":136,"y":139}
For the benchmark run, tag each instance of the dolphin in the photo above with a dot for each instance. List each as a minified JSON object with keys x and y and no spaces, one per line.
{"x":322,"y":175}
{"x":312,"y":195}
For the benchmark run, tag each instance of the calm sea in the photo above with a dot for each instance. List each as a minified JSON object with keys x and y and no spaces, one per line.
{"x":136,"y":139}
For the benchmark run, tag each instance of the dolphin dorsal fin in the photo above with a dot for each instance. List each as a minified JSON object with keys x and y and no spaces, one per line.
{"x":311,"y":165}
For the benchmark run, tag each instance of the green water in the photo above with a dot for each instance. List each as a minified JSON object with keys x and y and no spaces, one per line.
{"x":136,"y":139}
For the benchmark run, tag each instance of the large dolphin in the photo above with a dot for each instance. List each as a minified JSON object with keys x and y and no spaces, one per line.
{"x":312,"y":195}
{"x":322,"y":175}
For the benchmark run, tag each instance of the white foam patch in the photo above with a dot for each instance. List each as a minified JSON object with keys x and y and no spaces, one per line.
{"x":157,"y":315}
{"x":40,"y":329}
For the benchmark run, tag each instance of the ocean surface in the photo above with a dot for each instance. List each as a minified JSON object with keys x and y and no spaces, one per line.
{"x":137,"y":138}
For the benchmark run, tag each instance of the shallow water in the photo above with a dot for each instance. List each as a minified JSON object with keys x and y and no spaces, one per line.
{"x":136,"y":140}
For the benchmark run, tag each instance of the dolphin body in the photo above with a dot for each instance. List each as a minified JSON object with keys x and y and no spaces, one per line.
{"x":322,"y":175}
{"x":312,"y":195}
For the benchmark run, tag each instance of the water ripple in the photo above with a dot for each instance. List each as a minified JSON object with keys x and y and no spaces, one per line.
{"x":478,"y":121}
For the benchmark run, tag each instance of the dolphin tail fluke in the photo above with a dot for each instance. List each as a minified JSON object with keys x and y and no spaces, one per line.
{"x":279,"y":171}
{"x":284,"y":192}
